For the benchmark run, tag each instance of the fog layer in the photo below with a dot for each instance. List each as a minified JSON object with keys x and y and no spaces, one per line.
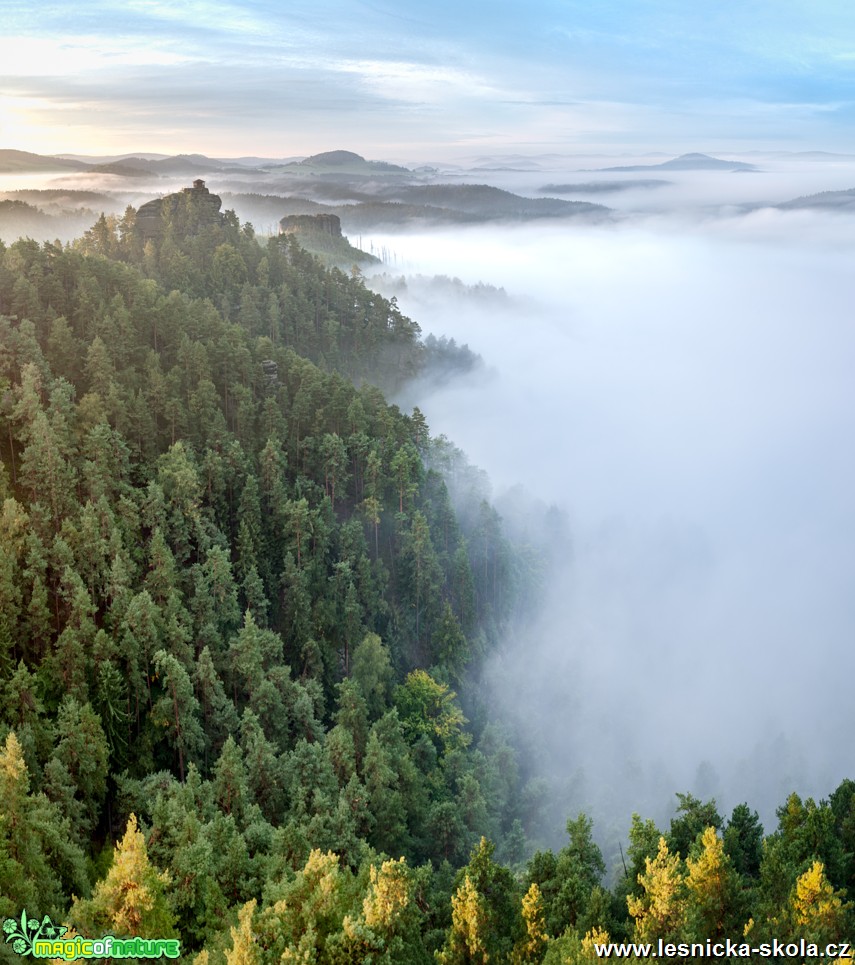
{"x":683,"y":390}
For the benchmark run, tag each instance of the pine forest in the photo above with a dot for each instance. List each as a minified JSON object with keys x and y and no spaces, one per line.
{"x":245,"y":603}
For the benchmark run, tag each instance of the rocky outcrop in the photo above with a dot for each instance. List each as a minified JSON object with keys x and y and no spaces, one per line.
{"x":270,"y":375}
{"x":193,"y":208}
{"x":325,"y":224}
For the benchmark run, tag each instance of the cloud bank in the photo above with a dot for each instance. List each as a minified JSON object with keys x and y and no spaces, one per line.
{"x":681,"y":389}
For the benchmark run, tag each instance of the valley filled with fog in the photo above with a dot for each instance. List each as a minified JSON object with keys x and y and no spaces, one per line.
{"x":678,"y":383}
{"x":664,"y":407}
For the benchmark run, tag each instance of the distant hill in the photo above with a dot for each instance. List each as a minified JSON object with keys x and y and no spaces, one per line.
{"x":62,"y":197}
{"x":22,"y":162}
{"x":125,"y":169}
{"x":193,"y":164}
{"x":371,"y":215}
{"x":464,"y":204}
{"x":258,"y":162}
{"x":180,"y":164}
{"x":19,"y":218}
{"x":337,"y":163}
{"x":334,"y":159}
{"x":486,"y":201}
{"x":110,"y":158}
{"x":363,"y":194}
{"x":344,"y":159}
{"x":688,"y":162}
{"x":825,"y":200}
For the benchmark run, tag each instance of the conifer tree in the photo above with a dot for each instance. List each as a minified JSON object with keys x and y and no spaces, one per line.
{"x":244,"y":949}
{"x":177,"y":710}
{"x":659,"y":910}
{"x":39,"y":865}
{"x":712,"y":891}
{"x":530,"y":949}
{"x":467,"y":939}
{"x":131,"y":899}
{"x":820,"y":913}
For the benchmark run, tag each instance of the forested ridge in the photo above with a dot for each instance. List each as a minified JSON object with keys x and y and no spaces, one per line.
{"x":239,"y":596}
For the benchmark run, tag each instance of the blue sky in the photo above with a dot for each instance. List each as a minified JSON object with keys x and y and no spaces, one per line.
{"x":421,"y":81}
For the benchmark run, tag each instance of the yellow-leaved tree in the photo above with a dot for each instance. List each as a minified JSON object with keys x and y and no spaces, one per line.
{"x":467,"y":940}
{"x":530,"y":948}
{"x":306,"y":911}
{"x":818,"y":911}
{"x":375,"y":935}
{"x":388,"y":895}
{"x":131,"y":900}
{"x":244,"y":950}
{"x":659,"y":911}
{"x":711,"y":891}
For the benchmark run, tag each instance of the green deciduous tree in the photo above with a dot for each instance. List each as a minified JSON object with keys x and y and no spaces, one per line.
{"x":428,"y":708}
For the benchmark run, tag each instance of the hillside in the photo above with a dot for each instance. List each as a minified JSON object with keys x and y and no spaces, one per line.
{"x":843,"y":201}
{"x":244,"y":608}
{"x":18,"y":219}
{"x":22,"y":162}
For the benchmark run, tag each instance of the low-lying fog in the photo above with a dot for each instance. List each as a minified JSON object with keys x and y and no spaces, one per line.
{"x":684,"y":392}
{"x":774,"y":180}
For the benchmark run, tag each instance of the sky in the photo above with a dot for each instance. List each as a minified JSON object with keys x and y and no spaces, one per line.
{"x":418,"y":81}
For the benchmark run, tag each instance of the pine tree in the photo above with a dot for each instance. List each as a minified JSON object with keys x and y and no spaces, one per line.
{"x":132,"y":899}
{"x":82,"y":752}
{"x":531,"y":948}
{"x":819,"y":913}
{"x":711,"y":891}
{"x":177,"y":710}
{"x":659,"y":911}
{"x":244,"y":950}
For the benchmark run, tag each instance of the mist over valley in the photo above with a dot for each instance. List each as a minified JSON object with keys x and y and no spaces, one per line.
{"x":672,"y":377}
{"x":678,"y":384}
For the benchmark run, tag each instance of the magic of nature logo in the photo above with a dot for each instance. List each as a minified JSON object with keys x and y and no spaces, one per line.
{"x":44,"y":939}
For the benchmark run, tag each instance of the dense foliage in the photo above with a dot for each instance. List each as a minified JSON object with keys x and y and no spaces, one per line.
{"x":236,"y":600}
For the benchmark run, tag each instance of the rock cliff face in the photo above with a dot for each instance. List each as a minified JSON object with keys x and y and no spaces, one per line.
{"x":196,"y":203}
{"x":327,"y":224}
{"x":320,"y":235}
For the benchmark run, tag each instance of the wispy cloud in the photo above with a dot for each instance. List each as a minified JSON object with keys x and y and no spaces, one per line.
{"x":421,"y":83}
{"x":82,"y":55}
{"x":549,"y":70}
